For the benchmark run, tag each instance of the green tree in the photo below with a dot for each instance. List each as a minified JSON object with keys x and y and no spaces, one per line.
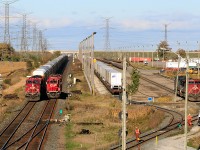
{"x":29,"y":65}
{"x":163,"y":49}
{"x":181,"y":52}
{"x":135,"y":79}
{"x":56,"y":54}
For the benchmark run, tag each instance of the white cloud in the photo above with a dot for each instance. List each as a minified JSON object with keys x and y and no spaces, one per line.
{"x":139,"y":24}
{"x":54,"y":23}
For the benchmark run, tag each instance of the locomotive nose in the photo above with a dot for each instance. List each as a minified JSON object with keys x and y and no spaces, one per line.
{"x":195,"y":90}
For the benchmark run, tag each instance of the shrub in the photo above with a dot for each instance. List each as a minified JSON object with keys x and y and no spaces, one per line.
{"x":7,"y":81}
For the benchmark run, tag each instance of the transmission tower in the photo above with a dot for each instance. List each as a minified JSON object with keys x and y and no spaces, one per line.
{"x":40,"y":40}
{"x":166,"y":25}
{"x":34,"y":44}
{"x":6,"y":28}
{"x":24,"y":35}
{"x":107,"y":35}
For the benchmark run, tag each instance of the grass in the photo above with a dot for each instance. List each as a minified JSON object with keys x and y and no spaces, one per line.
{"x":6,"y":67}
{"x":194,"y":142}
{"x":69,"y":134}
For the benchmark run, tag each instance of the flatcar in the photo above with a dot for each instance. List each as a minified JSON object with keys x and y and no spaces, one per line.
{"x":35,"y":87}
{"x":54,"y":86}
{"x":110,"y":77}
{"x":193,"y":88}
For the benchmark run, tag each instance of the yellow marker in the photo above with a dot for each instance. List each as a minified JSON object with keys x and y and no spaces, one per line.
{"x":156,"y":140}
{"x":94,"y":60}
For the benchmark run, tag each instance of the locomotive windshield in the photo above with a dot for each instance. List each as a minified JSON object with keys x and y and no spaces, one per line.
{"x":32,"y":82}
{"x":194,"y":82}
{"x":53,"y":81}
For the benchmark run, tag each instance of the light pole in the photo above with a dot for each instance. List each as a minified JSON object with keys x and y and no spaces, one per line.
{"x":143,"y":51}
{"x":152,"y":57}
{"x":198,"y":59}
{"x":186,"y":102}
{"x":186,"y":97}
{"x":124,"y":105}
{"x":92,"y":59}
{"x":88,"y":55}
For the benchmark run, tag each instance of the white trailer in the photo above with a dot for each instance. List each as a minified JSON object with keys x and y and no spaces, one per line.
{"x":181,"y":65}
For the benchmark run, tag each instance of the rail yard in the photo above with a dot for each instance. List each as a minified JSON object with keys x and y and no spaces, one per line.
{"x":99,"y":75}
{"x":36,"y":123}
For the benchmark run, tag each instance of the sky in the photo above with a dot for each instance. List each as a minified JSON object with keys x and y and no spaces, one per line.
{"x":133,"y":24}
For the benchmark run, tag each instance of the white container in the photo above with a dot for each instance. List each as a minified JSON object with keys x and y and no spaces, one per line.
{"x":115,"y":79}
{"x":181,"y":65}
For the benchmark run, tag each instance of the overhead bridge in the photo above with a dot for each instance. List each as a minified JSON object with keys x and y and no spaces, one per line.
{"x":74,"y":52}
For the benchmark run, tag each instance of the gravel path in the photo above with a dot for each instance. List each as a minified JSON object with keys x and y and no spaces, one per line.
{"x":172,"y":143}
{"x":56,"y":134}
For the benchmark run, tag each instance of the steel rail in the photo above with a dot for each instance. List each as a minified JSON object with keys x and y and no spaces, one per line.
{"x":14,"y":119}
{"x":47,"y":126}
{"x":30,"y":138}
{"x":16,"y":128}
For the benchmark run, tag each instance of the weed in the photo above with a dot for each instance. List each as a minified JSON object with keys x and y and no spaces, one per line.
{"x":69,"y":135}
{"x":7,"y":81}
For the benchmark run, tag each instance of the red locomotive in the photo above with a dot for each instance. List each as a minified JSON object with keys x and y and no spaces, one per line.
{"x":193,"y":88}
{"x":33,"y":88}
{"x":54,"y":86}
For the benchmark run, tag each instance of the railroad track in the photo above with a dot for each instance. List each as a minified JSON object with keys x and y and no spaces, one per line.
{"x":10,"y":129}
{"x":34,"y":137}
{"x":176,"y":119}
{"x":120,"y":66}
{"x":157,"y":84}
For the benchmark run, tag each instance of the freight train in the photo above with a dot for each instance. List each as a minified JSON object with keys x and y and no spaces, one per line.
{"x":54,"y":86}
{"x":110,"y":77}
{"x":35,"y":87}
{"x":193,"y":88}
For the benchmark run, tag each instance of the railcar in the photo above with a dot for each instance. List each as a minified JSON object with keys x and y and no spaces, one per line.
{"x":110,"y":77}
{"x":35,"y":87}
{"x":54,"y":86}
{"x":140,"y":59}
{"x":193,"y":88}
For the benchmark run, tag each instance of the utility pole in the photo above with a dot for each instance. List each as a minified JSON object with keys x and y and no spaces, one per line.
{"x":186,"y":101}
{"x":186,"y":97}
{"x":6,"y":27}
{"x":124,"y":106}
{"x":198,"y":59}
{"x":175,"y":95}
{"x":107,"y":35}
{"x":152,"y":62}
